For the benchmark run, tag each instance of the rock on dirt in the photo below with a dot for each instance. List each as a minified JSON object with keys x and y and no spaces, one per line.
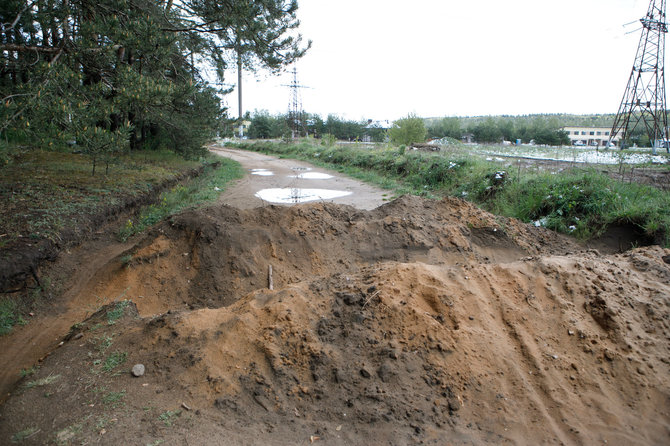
{"x":138,"y":370}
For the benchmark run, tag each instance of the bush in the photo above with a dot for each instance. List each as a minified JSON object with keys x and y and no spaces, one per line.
{"x":408,"y":130}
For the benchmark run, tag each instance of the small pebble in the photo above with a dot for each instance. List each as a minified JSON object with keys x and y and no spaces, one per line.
{"x":138,"y":370}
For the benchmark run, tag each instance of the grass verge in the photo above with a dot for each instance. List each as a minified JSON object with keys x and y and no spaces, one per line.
{"x":46,"y":194}
{"x":42,"y":193}
{"x":583,"y":202}
{"x":9,"y":316}
{"x":203,"y":189}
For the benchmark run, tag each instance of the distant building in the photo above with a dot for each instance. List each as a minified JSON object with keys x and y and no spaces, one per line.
{"x":245,"y":128}
{"x":591,"y":136}
{"x":374,"y":129}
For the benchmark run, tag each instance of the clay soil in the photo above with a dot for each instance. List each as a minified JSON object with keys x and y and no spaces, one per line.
{"x":417,"y":322}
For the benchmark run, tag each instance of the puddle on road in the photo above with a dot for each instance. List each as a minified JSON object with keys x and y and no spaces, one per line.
{"x":262,"y":172}
{"x":297,"y":195}
{"x":301,"y":168}
{"x":313,"y":176}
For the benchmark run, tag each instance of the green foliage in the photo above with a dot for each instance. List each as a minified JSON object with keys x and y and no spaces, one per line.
{"x":583,"y":203}
{"x":408,"y":130}
{"x":125,"y":74}
{"x":586,"y":203}
{"x":27,"y":372}
{"x":328,"y":140}
{"x":543,"y":129}
{"x":9,"y":316}
{"x":116,"y":313}
{"x":42,"y":382}
{"x":102,"y":343}
{"x":24,"y":434}
{"x":265,"y":126}
{"x":203,"y":189}
{"x":114,"y":360}
{"x":445,"y":127}
{"x":168,"y":417}
{"x":114,"y":398}
{"x":42,"y":193}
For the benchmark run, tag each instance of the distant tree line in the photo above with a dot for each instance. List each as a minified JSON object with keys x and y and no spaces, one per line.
{"x":267,"y":126}
{"x":540,"y":129}
{"x":113,"y":75}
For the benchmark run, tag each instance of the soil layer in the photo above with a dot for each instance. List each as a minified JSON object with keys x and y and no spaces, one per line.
{"x":417,"y":322}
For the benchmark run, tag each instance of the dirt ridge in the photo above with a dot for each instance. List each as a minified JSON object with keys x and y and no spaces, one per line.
{"x":419,"y":322}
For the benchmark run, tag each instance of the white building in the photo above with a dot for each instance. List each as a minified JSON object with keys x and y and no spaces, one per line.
{"x":591,"y":136}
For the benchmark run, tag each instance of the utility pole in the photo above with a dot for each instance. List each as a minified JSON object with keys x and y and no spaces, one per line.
{"x":239,"y":91}
{"x":643,"y":101}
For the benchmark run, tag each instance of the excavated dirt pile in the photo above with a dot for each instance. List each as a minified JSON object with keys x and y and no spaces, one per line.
{"x":420,"y":322}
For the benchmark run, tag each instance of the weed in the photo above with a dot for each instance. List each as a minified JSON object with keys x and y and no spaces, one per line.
{"x":168,"y":416}
{"x":114,"y":360}
{"x":24,"y":434}
{"x":65,"y":436}
{"x":116,"y":313}
{"x":101,"y":423}
{"x":114,"y":398}
{"x":42,"y":382}
{"x":203,"y":189}
{"x":156,"y":442}
{"x":102,"y":343}
{"x":125,"y":260}
{"x":9,"y":316}
{"x":28,"y":372}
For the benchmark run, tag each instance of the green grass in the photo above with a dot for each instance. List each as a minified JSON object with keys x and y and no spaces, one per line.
{"x":116,"y":313}
{"x":24,"y":434}
{"x":102,"y":343}
{"x":42,"y":382}
{"x":583,"y":202}
{"x":114,"y":399}
{"x":27,"y":372}
{"x":9,"y":316}
{"x":168,"y":417}
{"x":42,"y":193}
{"x":203,"y":189}
{"x":114,"y":360}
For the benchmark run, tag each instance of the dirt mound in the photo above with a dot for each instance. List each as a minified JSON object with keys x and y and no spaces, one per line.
{"x":417,"y":322}
{"x":212,"y":257}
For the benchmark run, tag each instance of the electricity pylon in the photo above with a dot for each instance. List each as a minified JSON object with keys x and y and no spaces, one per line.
{"x":296,"y":118}
{"x":643,"y":101}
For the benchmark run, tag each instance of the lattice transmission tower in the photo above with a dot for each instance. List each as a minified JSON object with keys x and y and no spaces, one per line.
{"x":296,"y":117}
{"x":643,"y":102}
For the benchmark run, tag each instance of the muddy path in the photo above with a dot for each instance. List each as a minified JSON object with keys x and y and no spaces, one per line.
{"x":292,"y":176}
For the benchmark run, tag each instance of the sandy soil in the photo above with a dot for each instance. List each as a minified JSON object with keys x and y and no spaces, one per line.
{"x":416,"y":322}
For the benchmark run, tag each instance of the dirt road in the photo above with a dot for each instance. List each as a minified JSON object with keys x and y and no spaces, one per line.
{"x":417,"y":322}
{"x":298,"y":180}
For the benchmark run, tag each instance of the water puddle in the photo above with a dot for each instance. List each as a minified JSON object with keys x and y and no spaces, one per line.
{"x":262,"y":172}
{"x":297,"y":195}
{"x":300,"y":168}
{"x":312,"y":176}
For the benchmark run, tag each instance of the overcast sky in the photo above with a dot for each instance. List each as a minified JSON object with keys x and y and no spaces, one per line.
{"x":383,"y":59}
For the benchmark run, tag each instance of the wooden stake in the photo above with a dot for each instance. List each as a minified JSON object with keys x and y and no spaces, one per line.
{"x":270,"y":282}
